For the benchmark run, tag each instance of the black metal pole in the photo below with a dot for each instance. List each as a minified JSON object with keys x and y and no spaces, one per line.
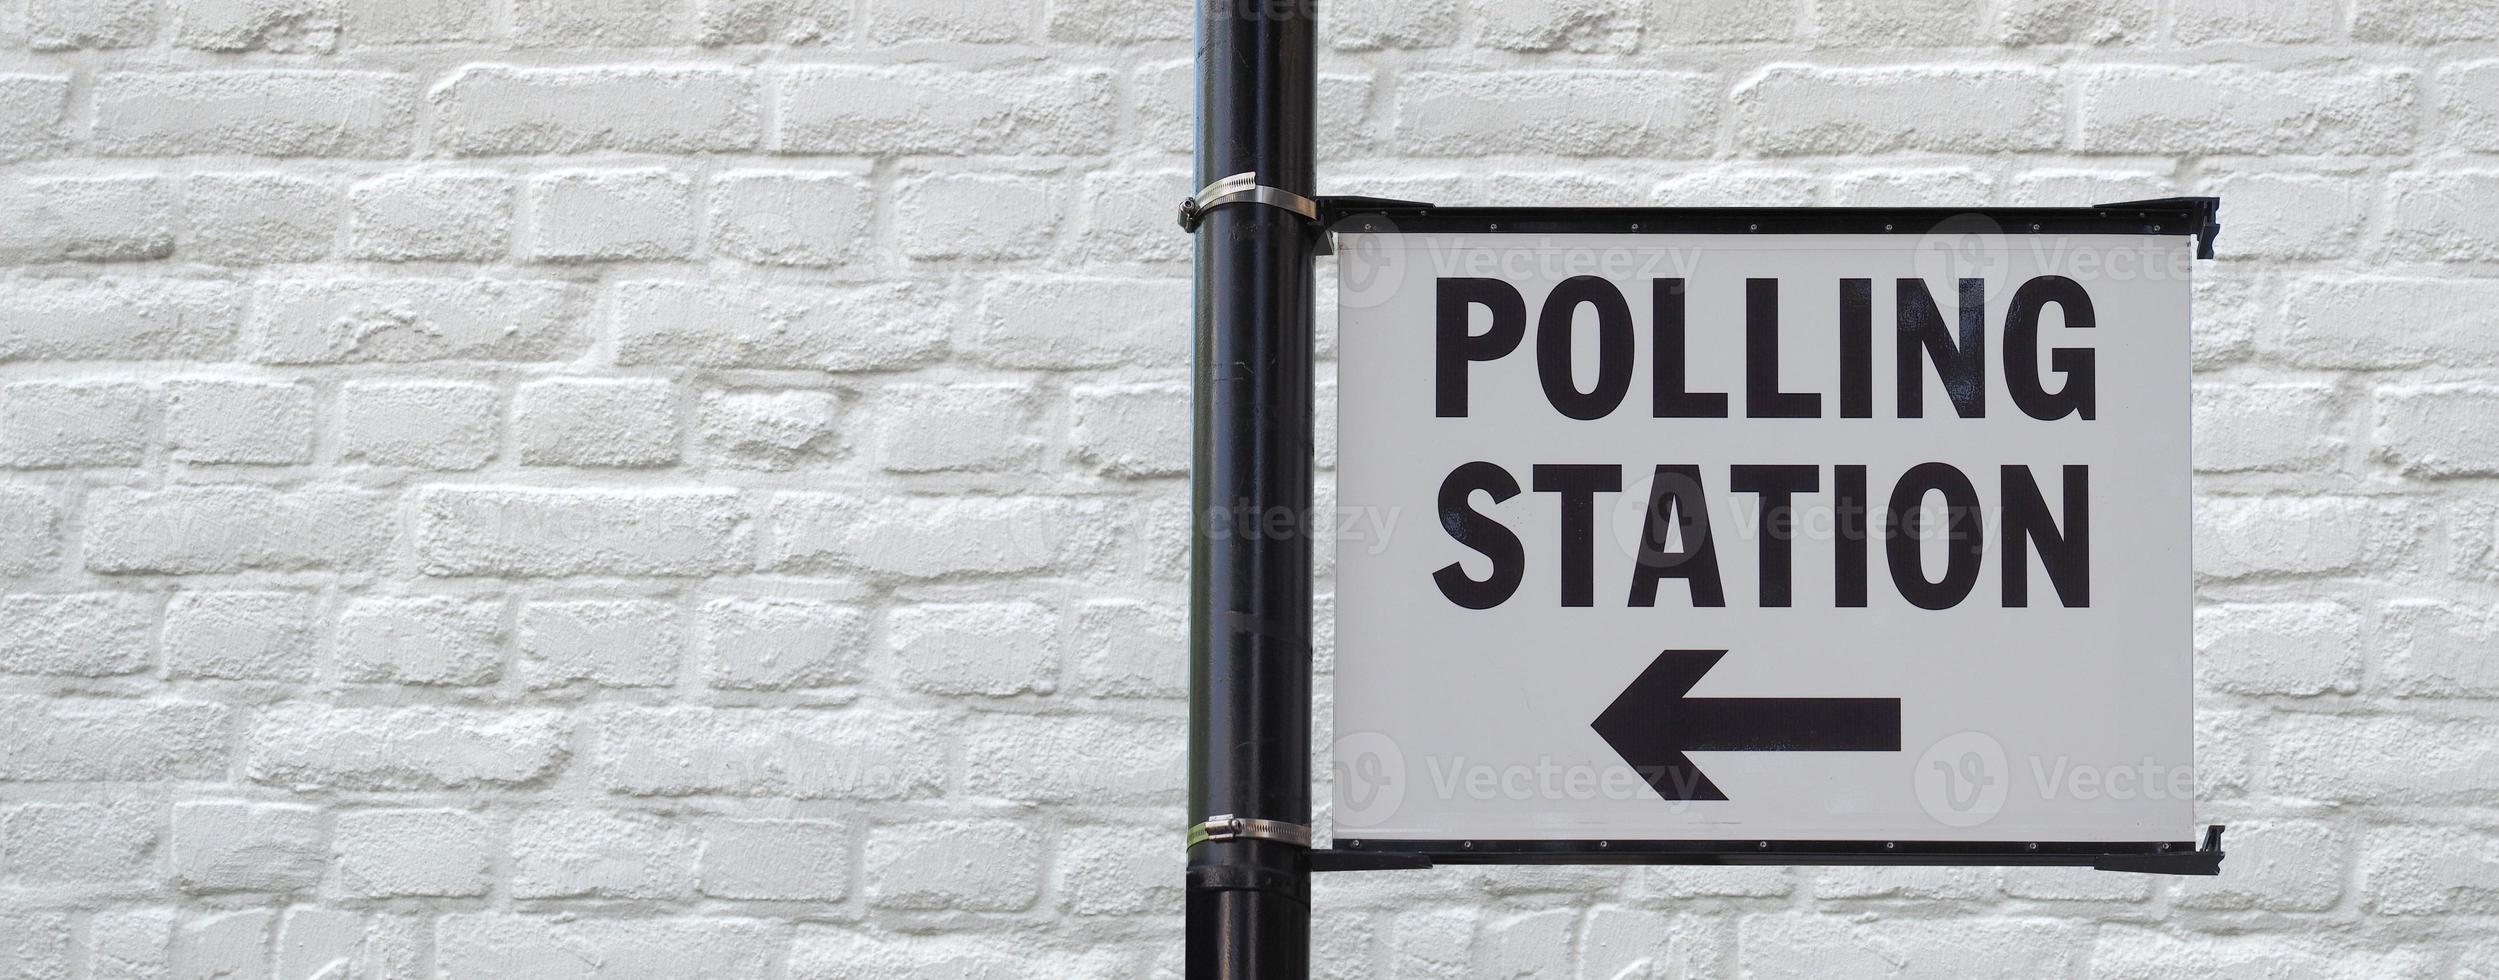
{"x":1249,"y":630}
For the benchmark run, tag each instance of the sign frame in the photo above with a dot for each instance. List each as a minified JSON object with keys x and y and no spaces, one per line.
{"x":2195,"y":217}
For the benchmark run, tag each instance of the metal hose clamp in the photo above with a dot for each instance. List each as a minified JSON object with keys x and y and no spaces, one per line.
{"x":1238,"y":188}
{"x":1225,"y":826}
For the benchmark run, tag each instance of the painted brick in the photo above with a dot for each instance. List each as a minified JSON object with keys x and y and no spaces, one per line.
{"x":998,"y":649}
{"x":1574,"y":113}
{"x":499,"y":946}
{"x":80,"y":740}
{"x":798,"y":219}
{"x":922,"y":866}
{"x":116,"y":319}
{"x":488,"y":110}
{"x":771,"y":644}
{"x":841,"y":328}
{"x":2240,"y":21}
{"x":2240,"y":428}
{"x":2243,"y":109}
{"x":1897,"y":947}
{"x":2381,"y":759}
{"x":1131,"y":430}
{"x":770,"y":430}
{"x":613,"y":24}
{"x":984,"y":535}
{"x":2430,"y":870}
{"x":971,"y":21}
{"x":772,"y":21}
{"x":32,"y":109}
{"x":775,"y":860}
{"x":1057,"y":323}
{"x":54,"y":25}
{"x":30,"y":531}
{"x":2288,"y":648}
{"x":1370,"y":27}
{"x":214,"y":420}
{"x":2243,"y":536}
{"x":601,"y":642}
{"x":2338,"y":322}
{"x":106,"y":219}
{"x":276,"y":26}
{"x":2090,"y":22}
{"x":436,"y":425}
{"x":1131,"y":649}
{"x":421,"y":215}
{"x":687,"y":751}
{"x":929,"y":428}
{"x":2471,"y":104}
{"x":590,"y":422}
{"x":999,"y":752}
{"x":74,"y":842}
{"x":342,"y":321}
{"x":1800,"y":110}
{"x":2437,"y":649}
{"x":238,"y":636}
{"x":2293,"y":215}
{"x":611,"y":215}
{"x":523,"y":532}
{"x":977,"y":216}
{"x":256,"y":113}
{"x":1118,"y":871}
{"x":904,"y":109}
{"x":301,"y":744}
{"x":2421,"y":21}
{"x":396,"y":22}
{"x":47,"y":424}
{"x":255,"y":218}
{"x":2290,"y":865}
{"x":1118,"y":22}
{"x":429,"y":640}
{"x":593,"y":854}
{"x":193,"y":529}
{"x":1873,"y":23}
{"x":247,"y":847}
{"x":2439,"y":430}
{"x":414,"y":853}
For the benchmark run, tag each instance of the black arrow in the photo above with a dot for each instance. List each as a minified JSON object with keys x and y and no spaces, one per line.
{"x":1652,"y":724}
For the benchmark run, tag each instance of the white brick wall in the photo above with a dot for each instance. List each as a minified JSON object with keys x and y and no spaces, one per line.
{"x":673,"y":488}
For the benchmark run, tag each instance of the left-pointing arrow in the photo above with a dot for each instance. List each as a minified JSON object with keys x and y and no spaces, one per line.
{"x":1653,"y":723}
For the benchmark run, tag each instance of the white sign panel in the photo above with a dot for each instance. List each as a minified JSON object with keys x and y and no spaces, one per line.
{"x":1841,"y":537}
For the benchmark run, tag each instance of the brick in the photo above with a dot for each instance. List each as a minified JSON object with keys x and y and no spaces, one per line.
{"x":2061,"y":187}
{"x":2279,"y":864}
{"x":530,"y":532}
{"x":1131,"y":430}
{"x":49,"y":424}
{"x":2243,"y":427}
{"x":55,"y":25}
{"x":894,"y":110}
{"x":116,"y":319}
{"x":242,"y":636}
{"x":277,"y":26}
{"x":1117,"y":871}
{"x":924,"y":866}
{"x":83,"y":842}
{"x":796,"y":219}
{"x":95,"y":219}
{"x":775,"y":860}
{"x":77,"y":740}
{"x":772,"y":644}
{"x":2241,"y":21}
{"x":86,"y":634}
{"x":1058,"y":759}
{"x":254,"y":113}
{"x":609,"y":24}
{"x":1721,"y":187}
{"x":2299,"y":649}
{"x":30,"y":531}
{"x":247,"y":847}
{"x":601,"y":642}
{"x":611,"y":215}
{"x":125,"y":944}
{"x":932,"y":427}
{"x":414,"y":853}
{"x":2243,"y":109}
{"x":1124,"y":217}
{"x":1118,"y":22}
{"x":428,"y":640}
{"x":1802,"y":110}
{"x":224,"y":944}
{"x":499,"y":946}
{"x":1610,"y":26}
{"x":977,"y":216}
{"x":770,"y":430}
{"x":2437,"y":649}
{"x":2470,"y":105}
{"x":1633,"y":942}
{"x":2341,"y":322}
{"x":403,"y":748}
{"x":32,"y":110}
{"x":596,"y":422}
{"x":342,"y":321}
{"x":1054,"y":323}
{"x":195,"y":529}
{"x":2439,"y":430}
{"x":1900,"y":947}
{"x":772,"y":21}
{"x":1927,"y":884}
{"x":2130,"y":952}
{"x":997,"y":649}
{"x":2430,"y":871}
{"x":2382,"y":760}
{"x":972,"y":21}
{"x":590,"y":854}
{"x":434,"y":425}
{"x":2237,"y":537}
{"x":984,"y":535}
{"x":1877,"y":24}
{"x":2076,"y":885}
{"x":1371,"y":27}
{"x":404,"y":217}
{"x":2091,"y":22}
{"x":491,"y":110}
{"x":1946,"y":187}
{"x":321,"y":944}
{"x":2292,"y":216}
{"x":214,"y":420}
{"x":258,"y":218}
{"x":830,"y":328}
{"x":1567,"y":113}
{"x":1131,"y":649}
{"x":395,"y":22}
{"x":2430,"y":215}
{"x":2422,"y":21}
{"x":688,"y":751}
